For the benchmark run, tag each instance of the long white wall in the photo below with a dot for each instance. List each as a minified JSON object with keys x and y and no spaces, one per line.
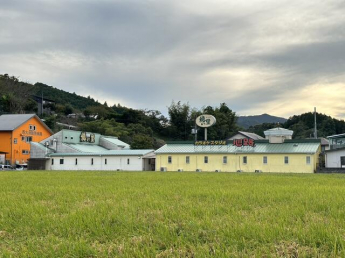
{"x":333,"y":158}
{"x":84,"y":163}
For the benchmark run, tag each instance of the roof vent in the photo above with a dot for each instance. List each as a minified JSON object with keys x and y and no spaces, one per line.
{"x":295,"y":145}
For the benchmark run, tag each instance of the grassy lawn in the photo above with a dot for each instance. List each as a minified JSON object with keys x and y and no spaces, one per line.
{"x":155,"y":214}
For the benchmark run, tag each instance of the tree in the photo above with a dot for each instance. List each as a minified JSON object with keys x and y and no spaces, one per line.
{"x":180,"y":123}
{"x":142,"y":142}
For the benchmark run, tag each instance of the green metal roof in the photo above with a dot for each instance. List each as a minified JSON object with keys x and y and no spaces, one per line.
{"x":261,"y":147}
{"x":106,"y":153}
{"x":87,"y":148}
{"x":116,"y":141}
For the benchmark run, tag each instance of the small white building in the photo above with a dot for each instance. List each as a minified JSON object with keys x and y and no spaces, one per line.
{"x":335,"y":155}
{"x":76,"y":150}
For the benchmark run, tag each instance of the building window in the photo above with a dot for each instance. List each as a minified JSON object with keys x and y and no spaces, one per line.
{"x":169,"y":159}
{"x":29,"y":139}
{"x":32,"y":127}
{"x":245,"y":160}
{"x":105,"y":161}
{"x":225,"y":159}
{"x":187,"y":160}
{"x":71,"y":137}
{"x":127,"y":161}
{"x":308,"y":160}
{"x":23,"y":138}
{"x":206,"y":159}
{"x":52,"y":161}
{"x":264,"y":160}
{"x":286,"y":160}
{"x":92,"y":161}
{"x":61,"y":161}
{"x":76,"y":161}
{"x":15,"y":141}
{"x":25,"y":152}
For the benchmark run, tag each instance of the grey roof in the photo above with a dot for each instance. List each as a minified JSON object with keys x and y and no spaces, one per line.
{"x":106,"y":153}
{"x":278,"y":131}
{"x":261,"y":147}
{"x":253,"y":136}
{"x":11,"y":122}
{"x":336,"y":136}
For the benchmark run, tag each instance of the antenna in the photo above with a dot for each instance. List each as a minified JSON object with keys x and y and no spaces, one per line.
{"x":315,"y":128}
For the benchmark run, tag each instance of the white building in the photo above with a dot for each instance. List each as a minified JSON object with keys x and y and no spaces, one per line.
{"x":76,"y":150}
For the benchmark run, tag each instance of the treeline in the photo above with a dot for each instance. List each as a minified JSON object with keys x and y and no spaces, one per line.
{"x":303,"y":126}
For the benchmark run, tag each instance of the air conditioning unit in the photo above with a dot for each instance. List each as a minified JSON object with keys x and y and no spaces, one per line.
{"x":163,"y":169}
{"x":198,"y":170}
{"x":239,"y":170}
{"x":258,"y":171}
{"x":217,"y":170}
{"x":180,"y":170}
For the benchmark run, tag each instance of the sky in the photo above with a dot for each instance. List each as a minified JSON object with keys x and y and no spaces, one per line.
{"x":280,"y":57}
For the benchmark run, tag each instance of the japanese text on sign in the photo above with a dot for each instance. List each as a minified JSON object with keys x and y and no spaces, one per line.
{"x":244,"y":142}
{"x":199,"y":143}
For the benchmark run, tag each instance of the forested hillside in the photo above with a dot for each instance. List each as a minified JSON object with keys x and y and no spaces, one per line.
{"x":142,"y":128}
{"x":303,"y":126}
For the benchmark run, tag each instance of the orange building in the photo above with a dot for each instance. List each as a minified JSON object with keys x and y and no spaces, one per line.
{"x":16,"y":133}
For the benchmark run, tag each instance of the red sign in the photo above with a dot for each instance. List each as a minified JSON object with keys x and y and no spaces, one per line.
{"x":244,"y":142}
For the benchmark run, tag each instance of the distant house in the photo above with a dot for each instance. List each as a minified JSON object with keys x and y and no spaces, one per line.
{"x":245,"y":135}
{"x":335,"y":155}
{"x":45,"y":102}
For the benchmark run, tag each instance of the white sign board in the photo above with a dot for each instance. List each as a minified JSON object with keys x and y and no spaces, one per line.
{"x":205,"y":120}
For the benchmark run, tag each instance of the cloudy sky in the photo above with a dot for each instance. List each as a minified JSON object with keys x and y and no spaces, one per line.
{"x":259,"y":56}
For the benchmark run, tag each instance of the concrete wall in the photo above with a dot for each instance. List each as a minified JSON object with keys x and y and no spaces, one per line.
{"x":275,"y":162}
{"x":84,"y":163}
{"x":333,"y":158}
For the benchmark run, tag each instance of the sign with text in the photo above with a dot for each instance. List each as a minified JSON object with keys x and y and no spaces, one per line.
{"x":205,"y":120}
{"x":87,"y":137}
{"x":202,"y":143}
{"x":243,"y":142}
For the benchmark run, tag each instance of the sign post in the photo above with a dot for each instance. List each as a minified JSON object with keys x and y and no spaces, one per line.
{"x":205,"y":121}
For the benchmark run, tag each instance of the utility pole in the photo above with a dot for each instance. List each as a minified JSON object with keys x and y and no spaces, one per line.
{"x":315,"y":128}
{"x":42,"y":104}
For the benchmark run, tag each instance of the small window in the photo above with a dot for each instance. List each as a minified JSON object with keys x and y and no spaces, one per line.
{"x":32,"y":127}
{"x":23,"y":138}
{"x":15,"y":141}
{"x":264,"y":160}
{"x":71,"y":137}
{"x":76,"y":161}
{"x":29,"y":139}
{"x":25,"y":152}
{"x":187,"y":159}
{"x":169,"y":159}
{"x":127,"y":161}
{"x":308,"y":160}
{"x":92,"y":161}
{"x":225,"y":159}
{"x":61,"y":161}
{"x":105,"y":161}
{"x":206,"y":159}
{"x":245,"y":160}
{"x":286,"y":160}
{"x":52,"y":161}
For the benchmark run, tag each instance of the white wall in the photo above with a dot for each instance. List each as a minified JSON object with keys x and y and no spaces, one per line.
{"x":333,"y":158}
{"x":84,"y":163}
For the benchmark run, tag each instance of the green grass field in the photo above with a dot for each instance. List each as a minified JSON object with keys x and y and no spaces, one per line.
{"x":155,"y":214}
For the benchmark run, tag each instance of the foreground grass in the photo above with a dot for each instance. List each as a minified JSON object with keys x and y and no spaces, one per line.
{"x":153,"y":214}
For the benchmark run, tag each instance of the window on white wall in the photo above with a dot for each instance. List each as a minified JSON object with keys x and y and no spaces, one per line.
{"x":105,"y":161}
{"x":187,"y":159}
{"x":169,"y":159}
{"x":52,"y":161}
{"x":225,"y":159}
{"x":127,"y":161}
{"x":206,"y":159}
{"x":245,"y":160}
{"x":91,"y":161}
{"x":308,"y":160}
{"x":61,"y":161}
{"x":76,"y":161}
